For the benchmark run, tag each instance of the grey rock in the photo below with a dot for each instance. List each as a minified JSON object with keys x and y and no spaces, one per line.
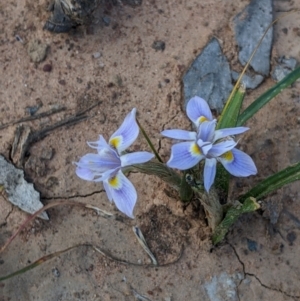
{"x":250,"y":82}
{"x":223,"y":287}
{"x":249,"y":26}
{"x":209,"y":77}
{"x":284,"y":67}
{"x":32,"y":109}
{"x":289,"y":63}
{"x":55,"y":272}
{"x":280,"y":72}
{"x":19,"y":192}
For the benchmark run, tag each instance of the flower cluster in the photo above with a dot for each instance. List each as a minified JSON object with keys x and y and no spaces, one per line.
{"x":208,"y":144}
{"x":106,"y":166}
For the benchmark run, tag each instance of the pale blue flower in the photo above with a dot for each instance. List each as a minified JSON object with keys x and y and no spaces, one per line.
{"x":106,"y":166}
{"x":208,"y":144}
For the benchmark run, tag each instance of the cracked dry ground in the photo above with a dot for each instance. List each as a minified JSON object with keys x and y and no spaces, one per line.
{"x":258,"y":261}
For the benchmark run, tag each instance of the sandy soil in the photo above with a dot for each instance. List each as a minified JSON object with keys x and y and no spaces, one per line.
{"x":258,"y":261}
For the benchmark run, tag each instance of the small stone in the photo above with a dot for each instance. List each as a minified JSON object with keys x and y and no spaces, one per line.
{"x":47,"y":68}
{"x":280,"y":72}
{"x":62,"y":82}
{"x":55,"y":272}
{"x":252,"y":245}
{"x":47,"y":153}
{"x":96,"y":55}
{"x":284,"y":67}
{"x":32,"y":110}
{"x":250,"y":82}
{"x":37,"y":51}
{"x":291,"y":237}
{"x":159,"y":45}
{"x":288,"y":62}
{"x":106,"y":20}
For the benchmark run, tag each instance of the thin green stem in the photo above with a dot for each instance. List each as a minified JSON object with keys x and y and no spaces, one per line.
{"x":149,"y":142}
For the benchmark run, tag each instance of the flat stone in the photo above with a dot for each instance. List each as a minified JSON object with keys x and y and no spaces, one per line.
{"x":209,"y":77}
{"x":250,"y":25}
{"x":288,"y":62}
{"x":284,"y":67}
{"x":18,"y":191}
{"x":249,"y":81}
{"x":223,"y":287}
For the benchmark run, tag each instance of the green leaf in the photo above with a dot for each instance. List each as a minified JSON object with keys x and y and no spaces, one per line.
{"x":232,"y":108}
{"x":228,"y":119}
{"x":232,"y":216}
{"x":267,"y":96}
{"x":274,"y":182}
{"x":186,"y":192}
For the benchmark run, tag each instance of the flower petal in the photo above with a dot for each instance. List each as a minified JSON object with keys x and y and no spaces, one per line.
{"x":99,"y":144}
{"x":209,"y":173}
{"x":207,"y":130}
{"x":229,"y":131}
{"x":122,"y":192}
{"x":85,"y":174}
{"x":204,"y":146}
{"x":238,"y":163}
{"x":198,"y":111}
{"x":126,"y":133}
{"x":92,"y":166}
{"x":220,"y":148}
{"x":185,"y":155}
{"x":179,"y":134}
{"x":135,"y":158}
{"x":107,"y":190}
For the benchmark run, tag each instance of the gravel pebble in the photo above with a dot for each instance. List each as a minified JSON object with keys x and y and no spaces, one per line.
{"x":37,"y":51}
{"x":47,"y":68}
{"x":159,"y":45}
{"x":96,"y":55}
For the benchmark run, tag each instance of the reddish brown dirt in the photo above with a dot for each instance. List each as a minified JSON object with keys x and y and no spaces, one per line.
{"x":258,"y":261}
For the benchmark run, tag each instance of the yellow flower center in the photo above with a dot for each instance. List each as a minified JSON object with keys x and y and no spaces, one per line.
{"x":202,"y":119}
{"x":114,"y":182}
{"x":195,"y":149}
{"x":115,"y":142}
{"x":228,"y":156}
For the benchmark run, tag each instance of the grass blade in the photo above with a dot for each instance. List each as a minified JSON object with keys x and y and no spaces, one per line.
{"x":232,"y":108}
{"x":274,"y":182}
{"x":39,"y":262}
{"x":267,"y":96}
